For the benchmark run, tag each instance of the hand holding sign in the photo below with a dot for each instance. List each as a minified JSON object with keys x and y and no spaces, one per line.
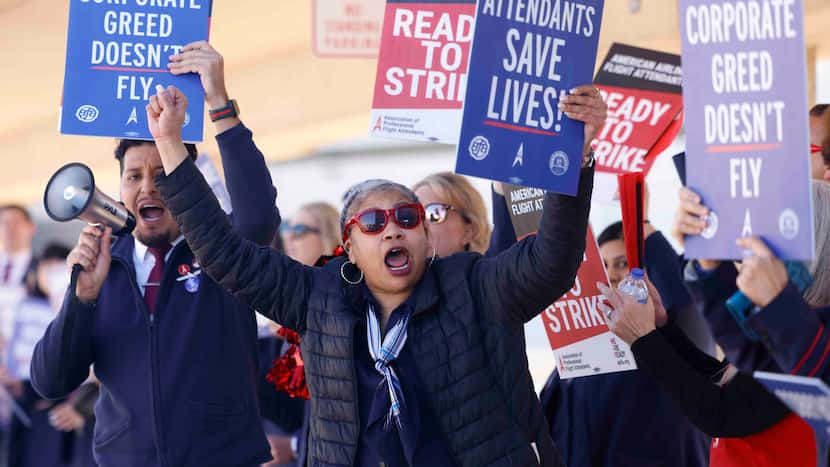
{"x":199,"y":57}
{"x":762,"y":276}
{"x":691,"y":219}
{"x":585,"y":104}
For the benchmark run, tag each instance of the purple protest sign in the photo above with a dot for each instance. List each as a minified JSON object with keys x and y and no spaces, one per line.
{"x":745,"y":97}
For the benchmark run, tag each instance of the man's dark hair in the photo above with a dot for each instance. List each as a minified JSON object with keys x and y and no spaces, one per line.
{"x":818,"y":110}
{"x":17,"y":207}
{"x":124,"y":144}
{"x":611,"y":233}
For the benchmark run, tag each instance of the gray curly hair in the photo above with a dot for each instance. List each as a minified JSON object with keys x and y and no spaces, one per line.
{"x":818,"y":295}
{"x":360,"y":191}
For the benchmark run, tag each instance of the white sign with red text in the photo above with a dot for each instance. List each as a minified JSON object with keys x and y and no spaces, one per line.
{"x":422,"y":70}
{"x":347,"y":28}
{"x":575,"y":325}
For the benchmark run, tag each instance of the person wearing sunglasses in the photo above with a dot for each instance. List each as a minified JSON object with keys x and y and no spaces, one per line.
{"x":455,"y":214}
{"x":311,"y":233}
{"x":399,"y":345}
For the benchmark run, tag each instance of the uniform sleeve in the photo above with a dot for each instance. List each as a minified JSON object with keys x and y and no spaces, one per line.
{"x":251,"y":190}
{"x":795,"y":334}
{"x":517,"y":284}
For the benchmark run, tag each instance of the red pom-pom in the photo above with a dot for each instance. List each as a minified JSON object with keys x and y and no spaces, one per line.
{"x":289,"y":335}
{"x":288,"y":371}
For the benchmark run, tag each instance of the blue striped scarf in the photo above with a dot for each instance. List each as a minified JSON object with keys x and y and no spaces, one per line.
{"x":383,"y":355}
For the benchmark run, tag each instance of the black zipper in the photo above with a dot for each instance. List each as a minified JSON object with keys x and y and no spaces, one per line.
{"x":356,"y":391}
{"x":150,"y":330}
{"x":155,"y":384}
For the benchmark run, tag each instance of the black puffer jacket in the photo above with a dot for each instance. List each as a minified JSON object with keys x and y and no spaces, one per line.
{"x":463,"y":330}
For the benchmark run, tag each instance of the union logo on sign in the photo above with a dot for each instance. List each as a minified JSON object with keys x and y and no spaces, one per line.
{"x":711,"y":226}
{"x":479,"y":148}
{"x":788,"y":224}
{"x":558,"y":163}
{"x":87,"y":113}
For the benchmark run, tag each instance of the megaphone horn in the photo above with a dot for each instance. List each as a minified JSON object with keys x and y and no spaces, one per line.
{"x":71,"y":194}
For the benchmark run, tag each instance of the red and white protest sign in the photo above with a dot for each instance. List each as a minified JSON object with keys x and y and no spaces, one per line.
{"x":642,"y":89}
{"x":579,"y":337}
{"x":346,"y":28}
{"x":422,"y":70}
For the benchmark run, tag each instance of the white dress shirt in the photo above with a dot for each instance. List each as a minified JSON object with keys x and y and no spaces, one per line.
{"x":19,"y":263}
{"x":144,"y":261}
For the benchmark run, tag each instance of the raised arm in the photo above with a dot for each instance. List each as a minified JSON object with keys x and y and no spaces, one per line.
{"x":253,"y":196}
{"x":251,"y":190}
{"x":521,"y":281}
{"x":260,"y":277}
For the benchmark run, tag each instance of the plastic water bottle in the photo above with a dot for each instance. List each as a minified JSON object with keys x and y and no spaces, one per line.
{"x":634,"y":285}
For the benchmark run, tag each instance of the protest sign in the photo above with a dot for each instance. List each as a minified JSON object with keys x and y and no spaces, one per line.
{"x":575,"y":326}
{"x":807,"y":397}
{"x":422,"y":70}
{"x":524,"y":204}
{"x":31,"y":318}
{"x":745,"y":99}
{"x":642,"y":89}
{"x":346,"y":28}
{"x":525,"y":57}
{"x":116,"y":54}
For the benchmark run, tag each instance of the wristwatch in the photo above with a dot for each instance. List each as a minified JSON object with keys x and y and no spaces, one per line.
{"x":229,"y":110}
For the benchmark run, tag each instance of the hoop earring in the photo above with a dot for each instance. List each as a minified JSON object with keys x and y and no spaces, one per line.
{"x":434,"y":254}
{"x":346,"y":279}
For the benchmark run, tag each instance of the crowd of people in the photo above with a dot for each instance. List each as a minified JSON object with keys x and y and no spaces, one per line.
{"x":388,"y":331}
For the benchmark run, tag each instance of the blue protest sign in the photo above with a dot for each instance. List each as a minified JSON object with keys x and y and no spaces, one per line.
{"x":807,"y":397}
{"x":117,"y":52}
{"x":747,"y":143}
{"x":526,"y":55}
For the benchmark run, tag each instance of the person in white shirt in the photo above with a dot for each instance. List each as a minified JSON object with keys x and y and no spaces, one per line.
{"x":16,"y":233}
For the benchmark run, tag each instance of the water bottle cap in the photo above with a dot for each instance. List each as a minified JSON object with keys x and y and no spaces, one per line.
{"x":637,"y":273}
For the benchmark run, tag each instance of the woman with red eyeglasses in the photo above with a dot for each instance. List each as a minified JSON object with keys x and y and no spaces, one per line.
{"x":403,"y":350}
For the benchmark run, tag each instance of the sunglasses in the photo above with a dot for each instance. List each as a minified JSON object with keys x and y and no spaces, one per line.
{"x":436,"y":213}
{"x":374,"y":221}
{"x":297,"y":230}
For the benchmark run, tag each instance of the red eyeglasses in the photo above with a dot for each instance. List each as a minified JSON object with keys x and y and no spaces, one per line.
{"x":374,"y":221}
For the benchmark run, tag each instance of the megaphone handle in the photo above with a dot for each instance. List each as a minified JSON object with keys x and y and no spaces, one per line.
{"x":73,"y":278}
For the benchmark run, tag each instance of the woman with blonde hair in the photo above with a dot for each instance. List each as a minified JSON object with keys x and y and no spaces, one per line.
{"x":312,"y":232}
{"x":455,"y":212}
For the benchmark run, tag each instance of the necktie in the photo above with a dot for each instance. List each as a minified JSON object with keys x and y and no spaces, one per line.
{"x":151,"y":288}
